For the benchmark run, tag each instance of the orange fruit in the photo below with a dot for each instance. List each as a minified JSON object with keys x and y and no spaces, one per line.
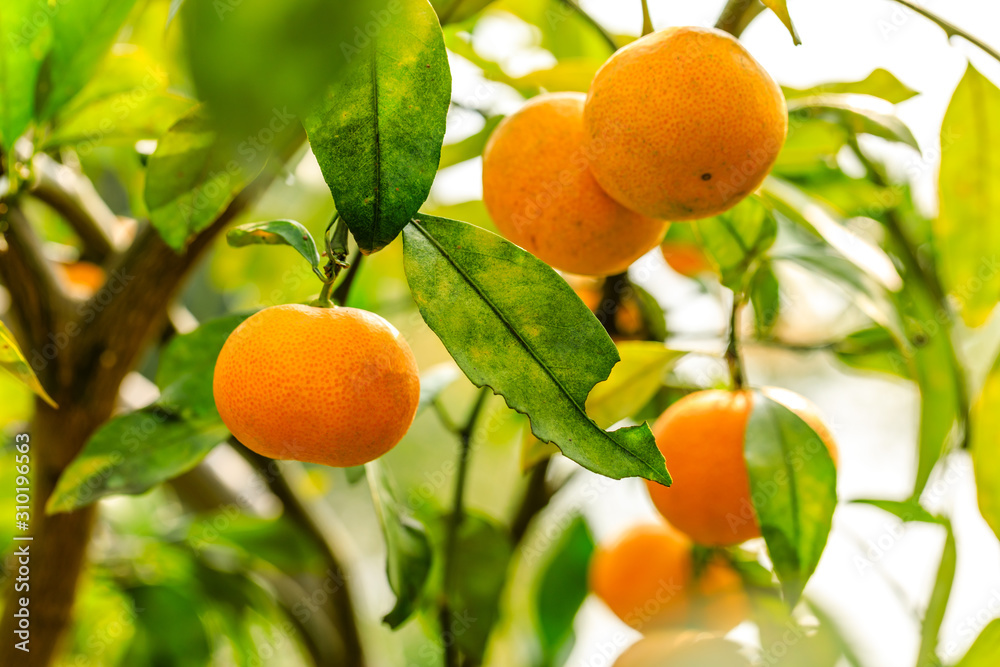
{"x":538,"y":188}
{"x":337,"y":386}
{"x":701,"y":436}
{"x":683,"y":123}
{"x":686,"y":259}
{"x":81,"y":279}
{"x":649,"y":580}
{"x":687,"y":649}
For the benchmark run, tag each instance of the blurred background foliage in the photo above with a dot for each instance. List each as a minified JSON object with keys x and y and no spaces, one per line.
{"x":856,"y":295}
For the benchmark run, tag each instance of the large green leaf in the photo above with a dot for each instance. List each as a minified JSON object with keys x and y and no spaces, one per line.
{"x":193,"y":175}
{"x":880,"y":83}
{"x":562,"y":588}
{"x":812,"y":144}
{"x":858,"y":114}
{"x":14,"y":362}
{"x":967,"y":229}
{"x":23,"y":43}
{"x":985,"y":453}
{"x":511,"y":323}
{"x":82,"y":33}
{"x":735,"y":239}
{"x":793,"y":482}
{"x":377,"y":135}
{"x":985,"y":651}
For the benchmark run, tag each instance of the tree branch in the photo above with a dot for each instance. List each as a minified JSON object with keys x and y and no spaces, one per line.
{"x":951,"y":29}
{"x":73,"y":197}
{"x":37,"y":300}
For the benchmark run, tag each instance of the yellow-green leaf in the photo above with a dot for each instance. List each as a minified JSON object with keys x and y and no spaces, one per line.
{"x":985,"y":454}
{"x":780,"y":9}
{"x":14,"y":362}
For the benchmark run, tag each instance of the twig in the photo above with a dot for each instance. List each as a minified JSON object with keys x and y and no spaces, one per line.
{"x":733,"y":358}
{"x":343,"y":289}
{"x":732,"y":20}
{"x":647,"y":20}
{"x":536,"y":498}
{"x":454,"y":523}
{"x":73,"y":197}
{"x":951,"y":29}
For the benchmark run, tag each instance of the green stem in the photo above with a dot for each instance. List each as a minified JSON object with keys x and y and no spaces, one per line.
{"x":736,"y":16}
{"x":733,"y":358}
{"x":951,"y":29}
{"x":647,"y":21}
{"x":451,"y":657}
{"x":343,"y":289}
{"x":593,"y":23}
{"x":912,"y":266}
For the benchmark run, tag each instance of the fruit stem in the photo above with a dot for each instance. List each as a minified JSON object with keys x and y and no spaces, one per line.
{"x":647,"y":21}
{"x":451,"y":658}
{"x":733,"y":357}
{"x":736,"y":16}
{"x":335,"y":238}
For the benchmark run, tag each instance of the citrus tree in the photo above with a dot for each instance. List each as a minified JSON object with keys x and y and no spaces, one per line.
{"x":270,"y":400}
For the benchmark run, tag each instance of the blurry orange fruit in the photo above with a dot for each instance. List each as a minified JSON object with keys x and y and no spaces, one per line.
{"x":701,"y":437}
{"x":629,"y":321}
{"x":686,"y":259}
{"x":648,"y":579}
{"x":81,"y":279}
{"x":539,"y":190}
{"x":337,"y":386}
{"x":683,"y":123}
{"x":682,"y":649}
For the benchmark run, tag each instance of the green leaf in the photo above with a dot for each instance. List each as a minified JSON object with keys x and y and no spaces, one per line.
{"x":735,"y":239}
{"x":276,"y":541}
{"x":780,"y":9}
{"x":377,"y":135}
{"x":966,"y":239}
{"x":985,"y":453}
{"x":938,"y":604}
{"x":408,"y":560}
{"x":873,"y":349}
{"x":477,"y":581}
{"x":633,"y":381}
{"x":133,"y":453}
{"x":14,"y":362}
{"x":985,"y":649}
{"x":470,"y":147}
{"x":880,"y":83}
{"x":858,"y":114}
{"x":811,"y":145}
{"x":573,"y":74}
{"x":22,"y":44}
{"x":456,"y":11}
{"x":793,"y":482}
{"x":907,"y":510}
{"x":511,"y":323}
{"x":193,"y":175}
{"x":276,"y":232}
{"x":168,"y":632}
{"x":765,"y":295}
{"x":562,"y":588}
{"x":82,"y":33}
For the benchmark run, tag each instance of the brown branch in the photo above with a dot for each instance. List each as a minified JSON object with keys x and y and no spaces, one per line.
{"x":37,"y":300}
{"x":73,"y":196}
{"x":536,"y":497}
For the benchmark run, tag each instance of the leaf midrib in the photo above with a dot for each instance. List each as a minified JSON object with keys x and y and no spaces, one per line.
{"x":524,"y":343}
{"x":377,"y":142}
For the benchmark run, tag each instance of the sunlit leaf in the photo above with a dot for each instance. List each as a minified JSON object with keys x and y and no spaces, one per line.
{"x":14,"y":362}
{"x":511,"y":323}
{"x":966,"y":239}
{"x":765,"y":295}
{"x":574,"y":74}
{"x":780,"y":9}
{"x":793,"y":482}
{"x":562,"y":587}
{"x":985,"y":649}
{"x":735,"y":239}
{"x":632,"y":383}
{"x":880,"y":83}
{"x":22,"y":43}
{"x":985,"y":453}
{"x":873,"y":349}
{"x":859,"y":114}
{"x":377,"y":135}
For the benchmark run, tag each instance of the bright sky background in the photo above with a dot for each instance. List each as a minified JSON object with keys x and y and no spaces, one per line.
{"x":876,"y":599}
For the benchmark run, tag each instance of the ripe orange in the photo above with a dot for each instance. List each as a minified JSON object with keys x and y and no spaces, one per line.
{"x":686,"y":259}
{"x":682,"y":649}
{"x":683,"y":123}
{"x":702,"y":436}
{"x":648,"y":579}
{"x":539,"y":190}
{"x":337,"y":386}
